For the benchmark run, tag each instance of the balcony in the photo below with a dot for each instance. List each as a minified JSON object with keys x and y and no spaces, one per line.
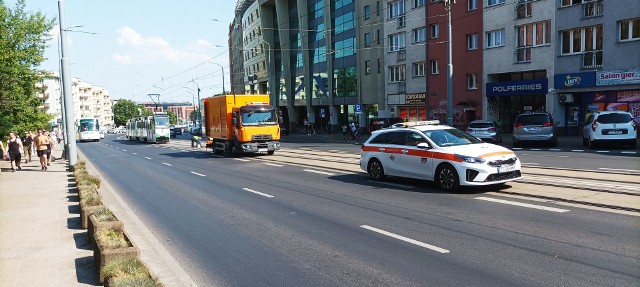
{"x":593,"y":8}
{"x":402,"y":21}
{"x":523,"y":9}
{"x":592,"y":59}
{"x":523,"y":55}
{"x":402,"y":54}
{"x":402,"y":87}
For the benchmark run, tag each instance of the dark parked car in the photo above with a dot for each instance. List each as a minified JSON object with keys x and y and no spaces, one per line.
{"x":381,"y":123}
{"x":485,"y":130}
{"x":534,"y":127}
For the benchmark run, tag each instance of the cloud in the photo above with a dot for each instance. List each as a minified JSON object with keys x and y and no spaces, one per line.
{"x":121,"y":59}
{"x":140,"y":49}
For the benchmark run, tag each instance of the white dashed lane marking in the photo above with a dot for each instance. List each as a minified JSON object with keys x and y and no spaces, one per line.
{"x":318,"y":172}
{"x":406,"y":239}
{"x":198,"y":174}
{"x":273,"y":164}
{"x":552,"y":209}
{"x":258,"y":193}
{"x":167,"y":164}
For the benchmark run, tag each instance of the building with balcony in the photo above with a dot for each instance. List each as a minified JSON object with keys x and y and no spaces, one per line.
{"x":597,"y":63}
{"x":89,"y":100}
{"x":519,"y":44}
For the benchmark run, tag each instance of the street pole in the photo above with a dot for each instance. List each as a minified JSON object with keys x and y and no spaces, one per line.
{"x":448,"y":4}
{"x":155,"y":102}
{"x":223,"y":89}
{"x":68,"y":98}
{"x":199,"y":112}
{"x":272,"y":95}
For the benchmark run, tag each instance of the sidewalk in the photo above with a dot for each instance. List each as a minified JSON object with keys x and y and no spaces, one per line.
{"x":41,"y":239}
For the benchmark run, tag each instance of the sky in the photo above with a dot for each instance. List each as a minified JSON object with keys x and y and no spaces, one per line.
{"x":134,"y":48}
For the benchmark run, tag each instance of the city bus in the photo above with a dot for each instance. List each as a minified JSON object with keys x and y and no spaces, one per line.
{"x":89,"y":129}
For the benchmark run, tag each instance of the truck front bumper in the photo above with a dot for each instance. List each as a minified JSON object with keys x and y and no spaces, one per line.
{"x":260,"y":147}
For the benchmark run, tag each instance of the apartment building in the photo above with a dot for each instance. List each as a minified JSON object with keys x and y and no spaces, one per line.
{"x":597,"y":64}
{"x":467,"y":58}
{"x":89,"y":100}
{"x":236,"y":55}
{"x":518,"y":59}
{"x":406,"y":58}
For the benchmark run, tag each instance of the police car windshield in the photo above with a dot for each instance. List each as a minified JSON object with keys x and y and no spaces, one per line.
{"x":451,"y":137}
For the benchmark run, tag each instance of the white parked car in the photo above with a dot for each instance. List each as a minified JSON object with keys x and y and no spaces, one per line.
{"x":446,"y":155}
{"x":611,"y":127}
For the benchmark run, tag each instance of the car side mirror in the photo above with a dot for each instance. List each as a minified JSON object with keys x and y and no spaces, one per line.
{"x":423,"y":146}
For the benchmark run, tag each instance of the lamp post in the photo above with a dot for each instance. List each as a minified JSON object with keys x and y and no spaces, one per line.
{"x":199,"y":110}
{"x":272,"y":95}
{"x":448,"y":4}
{"x":223,"y":90}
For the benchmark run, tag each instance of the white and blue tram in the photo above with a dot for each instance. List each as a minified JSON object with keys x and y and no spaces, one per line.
{"x":154,"y":128}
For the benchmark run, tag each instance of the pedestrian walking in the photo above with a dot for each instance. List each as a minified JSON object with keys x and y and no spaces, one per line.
{"x":330,"y":130}
{"x":306,"y":126}
{"x":42,"y":143}
{"x":3,"y":153}
{"x":50,"y":148}
{"x":344,"y":131}
{"x":27,"y":141}
{"x":15,"y":150}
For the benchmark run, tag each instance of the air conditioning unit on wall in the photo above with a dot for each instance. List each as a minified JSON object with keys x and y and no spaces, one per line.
{"x":565,"y":98}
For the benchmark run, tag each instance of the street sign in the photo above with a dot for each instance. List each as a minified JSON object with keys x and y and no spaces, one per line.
{"x":322,"y":113}
{"x":358,"y":108}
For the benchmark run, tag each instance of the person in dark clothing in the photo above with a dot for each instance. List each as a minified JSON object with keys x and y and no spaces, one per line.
{"x":27,"y":140}
{"x":14,"y":149}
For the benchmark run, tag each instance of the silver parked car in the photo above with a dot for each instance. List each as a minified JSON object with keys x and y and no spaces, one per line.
{"x":534,"y":128}
{"x":485,"y":130}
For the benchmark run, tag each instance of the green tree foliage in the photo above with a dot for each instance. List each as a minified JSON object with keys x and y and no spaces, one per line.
{"x":145,"y":111}
{"x":125,"y":110}
{"x":23,"y":38}
{"x":193,"y":116}
{"x":173,"y":119}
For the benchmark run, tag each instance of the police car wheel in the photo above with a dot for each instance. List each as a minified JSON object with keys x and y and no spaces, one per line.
{"x":375,"y":170}
{"x":447,"y":178}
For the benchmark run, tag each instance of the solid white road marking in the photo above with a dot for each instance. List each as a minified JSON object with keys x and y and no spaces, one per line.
{"x":167,"y":164}
{"x":273,"y":164}
{"x":258,"y":193}
{"x":199,"y":174}
{"x":405,"y":239}
{"x":602,"y":151}
{"x":618,"y":169}
{"x":522,"y":204}
{"x":629,"y":152}
{"x":319,"y":172}
{"x":147,"y":157}
{"x":577,"y":150}
{"x":241,"y":159}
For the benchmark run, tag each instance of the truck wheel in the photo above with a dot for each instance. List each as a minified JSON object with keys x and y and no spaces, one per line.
{"x":271,"y":152}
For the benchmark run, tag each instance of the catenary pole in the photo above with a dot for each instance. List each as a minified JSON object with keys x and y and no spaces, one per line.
{"x":71,"y":148}
{"x":448,"y":4}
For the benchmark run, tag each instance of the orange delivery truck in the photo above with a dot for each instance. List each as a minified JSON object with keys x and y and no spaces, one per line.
{"x":236,"y":124}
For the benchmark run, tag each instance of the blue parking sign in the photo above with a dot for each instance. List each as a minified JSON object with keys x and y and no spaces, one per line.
{"x":358,"y":108}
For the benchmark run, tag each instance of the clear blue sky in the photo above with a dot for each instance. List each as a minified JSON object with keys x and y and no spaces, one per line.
{"x":139,"y":45}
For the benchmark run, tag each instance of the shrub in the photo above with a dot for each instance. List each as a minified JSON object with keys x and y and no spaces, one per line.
{"x":104,"y":214}
{"x":127,"y":280}
{"x":80,"y":174}
{"x":112,"y":238}
{"x":124,"y":267}
{"x":92,"y":199}
{"x":80,"y":165}
{"x":87,"y":187}
{"x":92,"y":179}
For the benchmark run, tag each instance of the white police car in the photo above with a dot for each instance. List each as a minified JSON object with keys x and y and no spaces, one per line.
{"x":446,"y":155}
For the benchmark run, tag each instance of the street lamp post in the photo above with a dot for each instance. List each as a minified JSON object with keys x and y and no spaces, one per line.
{"x":272,"y":95}
{"x":199,"y":109}
{"x":223,"y":90}
{"x":448,"y":4}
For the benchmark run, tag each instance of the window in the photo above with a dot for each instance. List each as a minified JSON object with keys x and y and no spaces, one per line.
{"x":379,"y":66}
{"x":630,"y":29}
{"x":367,"y":67}
{"x":472,"y":5}
{"x":418,"y":3}
{"x":573,"y":2}
{"x":494,"y":2}
{"x":397,"y":73}
{"x":419,"y":34}
{"x":534,"y":34}
{"x":320,"y":32}
{"x":367,"y":39}
{"x":378,"y":36}
{"x":367,"y":12}
{"x":435,"y":69}
{"x":320,"y":54}
{"x":397,"y":42}
{"x":341,"y":3}
{"x":472,"y":41}
{"x":318,"y":9}
{"x":581,"y":40}
{"x":418,"y":69}
{"x":495,"y":38}
{"x":435,"y":30}
{"x":343,"y":23}
{"x":396,"y":9}
{"x":345,"y":48}
{"x":523,"y":10}
{"x":472,"y":82}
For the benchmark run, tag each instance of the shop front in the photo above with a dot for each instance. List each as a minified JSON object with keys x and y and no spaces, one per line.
{"x":408,"y":106}
{"x":587,"y":92}
{"x":505,"y":100}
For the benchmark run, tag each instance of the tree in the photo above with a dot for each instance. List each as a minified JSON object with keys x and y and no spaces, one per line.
{"x":125,"y":110}
{"x":23,"y":38}
{"x":145,"y":112}
{"x":173,"y":119}
{"x":193,"y":116}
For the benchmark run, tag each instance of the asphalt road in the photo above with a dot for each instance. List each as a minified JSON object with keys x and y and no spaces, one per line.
{"x":285,"y":220}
